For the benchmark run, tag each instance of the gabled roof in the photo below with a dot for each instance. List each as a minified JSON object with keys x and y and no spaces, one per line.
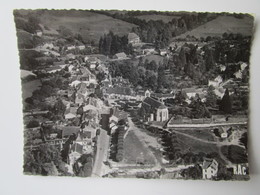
{"x":59,"y":63}
{"x":161,"y":95}
{"x":98,"y":56}
{"x":153,"y":103}
{"x":132,"y":36}
{"x":121,"y":55}
{"x":69,"y":130}
{"x":75,"y":83}
{"x":82,"y":88}
{"x":70,"y":116}
{"x":86,"y":72}
{"x":119,"y":114}
{"x":209,"y":162}
{"x":89,"y":131}
{"x":56,"y":67}
{"x":92,"y":66}
{"x":119,"y":90}
{"x":72,"y":110}
{"x":92,"y":59}
{"x":77,"y":148}
{"x":89,"y":107}
{"x":70,"y":55}
{"x":140,"y":92}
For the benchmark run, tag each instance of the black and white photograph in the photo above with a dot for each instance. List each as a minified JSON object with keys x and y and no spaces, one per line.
{"x":135,"y":94}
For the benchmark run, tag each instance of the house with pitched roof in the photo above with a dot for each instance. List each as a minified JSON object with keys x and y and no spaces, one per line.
{"x":119,"y":92}
{"x":154,"y":110}
{"x":70,"y":56}
{"x":216,"y":82}
{"x":142,"y":94}
{"x":91,"y":59}
{"x":82,"y":89}
{"x":87,"y":75}
{"x":120,"y":56}
{"x":71,"y":47}
{"x":117,"y":115}
{"x":209,"y":168}
{"x":38,"y":33}
{"x":193,"y":93}
{"x":161,"y":97}
{"x":80,"y":99}
{"x":103,"y":68}
{"x":68,"y":130}
{"x":81,"y":47}
{"x":70,"y":113}
{"x":163,"y":52}
{"x":133,"y":38}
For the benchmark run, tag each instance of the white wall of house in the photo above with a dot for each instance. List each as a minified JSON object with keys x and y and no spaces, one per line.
{"x":135,"y":40}
{"x":162,"y":114}
{"x":152,"y":117}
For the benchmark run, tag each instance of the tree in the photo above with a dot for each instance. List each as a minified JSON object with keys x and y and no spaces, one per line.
{"x":80,"y":110}
{"x":65,"y":32}
{"x":32,"y":124}
{"x":209,"y":58}
{"x":179,"y":97}
{"x":211,"y":98}
{"x":110,"y":44}
{"x":225,"y":103}
{"x":83,"y":166}
{"x":151,"y":79}
{"x":199,"y":109}
{"x":85,"y":170}
{"x":66,"y":147}
{"x":59,"y":108}
{"x":208,"y":38}
{"x":192,"y":172}
{"x":43,"y":161}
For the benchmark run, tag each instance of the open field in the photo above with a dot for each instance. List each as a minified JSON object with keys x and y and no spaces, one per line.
{"x":220,"y":25}
{"x":90,"y":25}
{"x":29,"y":87}
{"x":195,"y":145}
{"x":201,"y":134}
{"x":24,"y":38}
{"x":135,"y":151}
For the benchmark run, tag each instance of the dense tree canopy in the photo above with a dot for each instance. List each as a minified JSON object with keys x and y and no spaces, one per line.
{"x":226,"y":104}
{"x":45,"y":160}
{"x":110,"y":44}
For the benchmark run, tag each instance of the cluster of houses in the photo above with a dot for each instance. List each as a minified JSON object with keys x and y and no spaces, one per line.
{"x":86,"y":114}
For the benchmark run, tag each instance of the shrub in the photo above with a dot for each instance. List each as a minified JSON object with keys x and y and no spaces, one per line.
{"x":33,"y":124}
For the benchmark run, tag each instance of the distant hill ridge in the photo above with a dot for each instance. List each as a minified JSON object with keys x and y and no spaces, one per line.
{"x":220,"y":25}
{"x":89,"y":24}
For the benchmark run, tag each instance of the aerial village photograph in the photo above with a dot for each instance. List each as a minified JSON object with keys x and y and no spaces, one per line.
{"x":135,"y":94}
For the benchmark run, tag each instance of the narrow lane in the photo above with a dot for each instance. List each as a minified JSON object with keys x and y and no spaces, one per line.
{"x":102,"y":153}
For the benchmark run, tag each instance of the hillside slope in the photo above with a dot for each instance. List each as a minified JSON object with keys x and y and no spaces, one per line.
{"x":90,"y":25}
{"x":220,"y":25}
{"x":164,"y":18}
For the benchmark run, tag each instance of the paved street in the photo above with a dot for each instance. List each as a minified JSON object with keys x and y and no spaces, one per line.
{"x":102,"y":153}
{"x":204,"y":125}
